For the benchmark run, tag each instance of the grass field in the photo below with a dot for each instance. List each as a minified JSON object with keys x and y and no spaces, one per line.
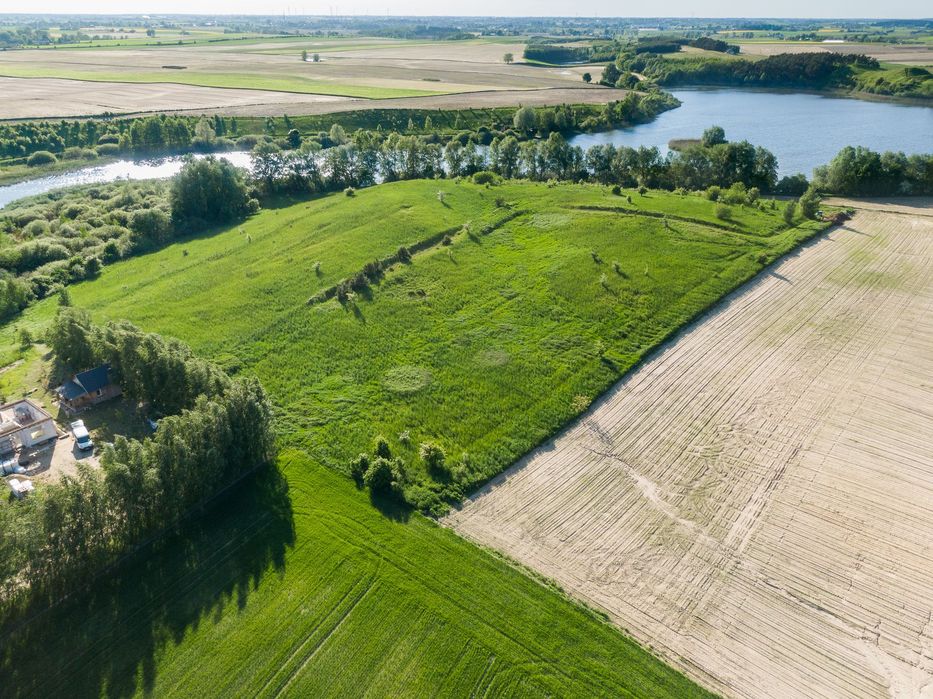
{"x":311,"y":591}
{"x":487,"y":345}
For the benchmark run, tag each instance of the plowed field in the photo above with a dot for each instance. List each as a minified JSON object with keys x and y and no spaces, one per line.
{"x":756,"y":501}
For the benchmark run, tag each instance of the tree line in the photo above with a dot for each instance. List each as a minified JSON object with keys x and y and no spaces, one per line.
{"x":217,"y":429}
{"x":792,"y":70}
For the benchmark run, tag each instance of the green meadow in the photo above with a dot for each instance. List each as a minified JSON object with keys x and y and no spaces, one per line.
{"x":485,"y":345}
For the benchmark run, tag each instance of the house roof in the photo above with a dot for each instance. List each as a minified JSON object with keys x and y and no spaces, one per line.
{"x":86,"y":382}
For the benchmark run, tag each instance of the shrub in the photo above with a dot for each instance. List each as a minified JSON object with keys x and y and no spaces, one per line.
{"x":381,"y":476}
{"x":643,"y":190}
{"x":723,"y":212}
{"x":36,"y":229}
{"x":403,"y":254}
{"x":358,"y":467}
{"x":809,"y":203}
{"x":152,"y":224}
{"x":484,"y":177}
{"x":349,"y":191}
{"x":616,"y":190}
{"x":41,"y":157}
{"x":107,"y":149}
{"x":790,"y":212}
{"x":381,"y":447}
{"x":209,"y":190}
{"x":792,"y":185}
{"x":713,"y":193}
{"x":433,"y":456}
{"x":735,"y":195}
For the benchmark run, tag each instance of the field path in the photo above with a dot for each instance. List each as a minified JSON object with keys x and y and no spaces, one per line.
{"x":755,"y":502}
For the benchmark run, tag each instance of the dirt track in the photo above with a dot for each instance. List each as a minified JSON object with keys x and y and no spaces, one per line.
{"x":756,"y":501}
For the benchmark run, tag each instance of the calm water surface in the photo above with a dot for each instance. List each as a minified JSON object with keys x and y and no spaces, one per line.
{"x":802,"y":130}
{"x":122,"y":169}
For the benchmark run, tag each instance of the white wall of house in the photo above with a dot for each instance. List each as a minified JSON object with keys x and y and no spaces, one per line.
{"x":36,"y":434}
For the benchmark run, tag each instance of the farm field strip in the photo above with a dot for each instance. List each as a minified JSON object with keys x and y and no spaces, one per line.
{"x":362,"y":69}
{"x":754,"y":501}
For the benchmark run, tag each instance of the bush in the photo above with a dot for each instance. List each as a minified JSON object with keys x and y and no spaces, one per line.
{"x":790,"y":212}
{"x":433,"y":456}
{"x":381,"y":476}
{"x":616,"y":190}
{"x":381,"y":447}
{"x":643,"y":190}
{"x":41,"y":157}
{"x":107,"y":149}
{"x":484,"y":177}
{"x":809,"y":203}
{"x":349,"y":191}
{"x":358,"y":467}
{"x":792,"y":186}
{"x":152,"y":224}
{"x":723,"y":212}
{"x":209,"y":189}
{"x":713,"y":193}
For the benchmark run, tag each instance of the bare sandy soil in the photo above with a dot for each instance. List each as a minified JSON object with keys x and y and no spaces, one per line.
{"x":756,"y":501}
{"x":908,"y":54}
{"x":438,"y":67}
{"x":48,"y":97}
{"x":27,"y":98}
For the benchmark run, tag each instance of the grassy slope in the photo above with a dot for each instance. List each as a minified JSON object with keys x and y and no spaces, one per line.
{"x":246,"y":81}
{"x":316,"y":593}
{"x":487,"y":346}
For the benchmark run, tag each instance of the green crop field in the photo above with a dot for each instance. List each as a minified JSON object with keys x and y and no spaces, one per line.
{"x":245,"y":81}
{"x":314,"y":592}
{"x":486,"y":345}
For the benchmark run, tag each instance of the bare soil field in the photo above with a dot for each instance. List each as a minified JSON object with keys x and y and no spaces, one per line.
{"x":29,"y":98}
{"x":215,"y":76}
{"x":908,"y":54}
{"x":755,"y":502}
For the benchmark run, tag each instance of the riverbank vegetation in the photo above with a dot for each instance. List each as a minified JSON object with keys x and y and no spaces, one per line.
{"x":78,"y":142}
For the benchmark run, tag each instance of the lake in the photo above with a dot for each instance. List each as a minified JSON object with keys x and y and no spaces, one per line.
{"x":802,"y":130}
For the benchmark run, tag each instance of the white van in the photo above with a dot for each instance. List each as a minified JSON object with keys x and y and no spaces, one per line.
{"x":82,"y":436}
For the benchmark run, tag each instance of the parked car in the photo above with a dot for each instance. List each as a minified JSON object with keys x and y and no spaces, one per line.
{"x":82,"y":436}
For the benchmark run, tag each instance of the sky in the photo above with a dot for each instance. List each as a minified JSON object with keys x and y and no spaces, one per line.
{"x":584,"y":8}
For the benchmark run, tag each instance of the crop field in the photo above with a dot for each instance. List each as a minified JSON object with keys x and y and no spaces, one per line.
{"x":364,"y":68}
{"x":913,"y":54}
{"x":754,"y":501}
{"x":486,"y":345}
{"x":303,"y":588}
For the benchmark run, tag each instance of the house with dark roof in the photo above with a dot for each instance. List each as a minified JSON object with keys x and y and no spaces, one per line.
{"x":88,"y":388}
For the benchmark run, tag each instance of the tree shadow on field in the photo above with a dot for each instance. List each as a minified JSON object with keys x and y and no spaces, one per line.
{"x":105,"y":639}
